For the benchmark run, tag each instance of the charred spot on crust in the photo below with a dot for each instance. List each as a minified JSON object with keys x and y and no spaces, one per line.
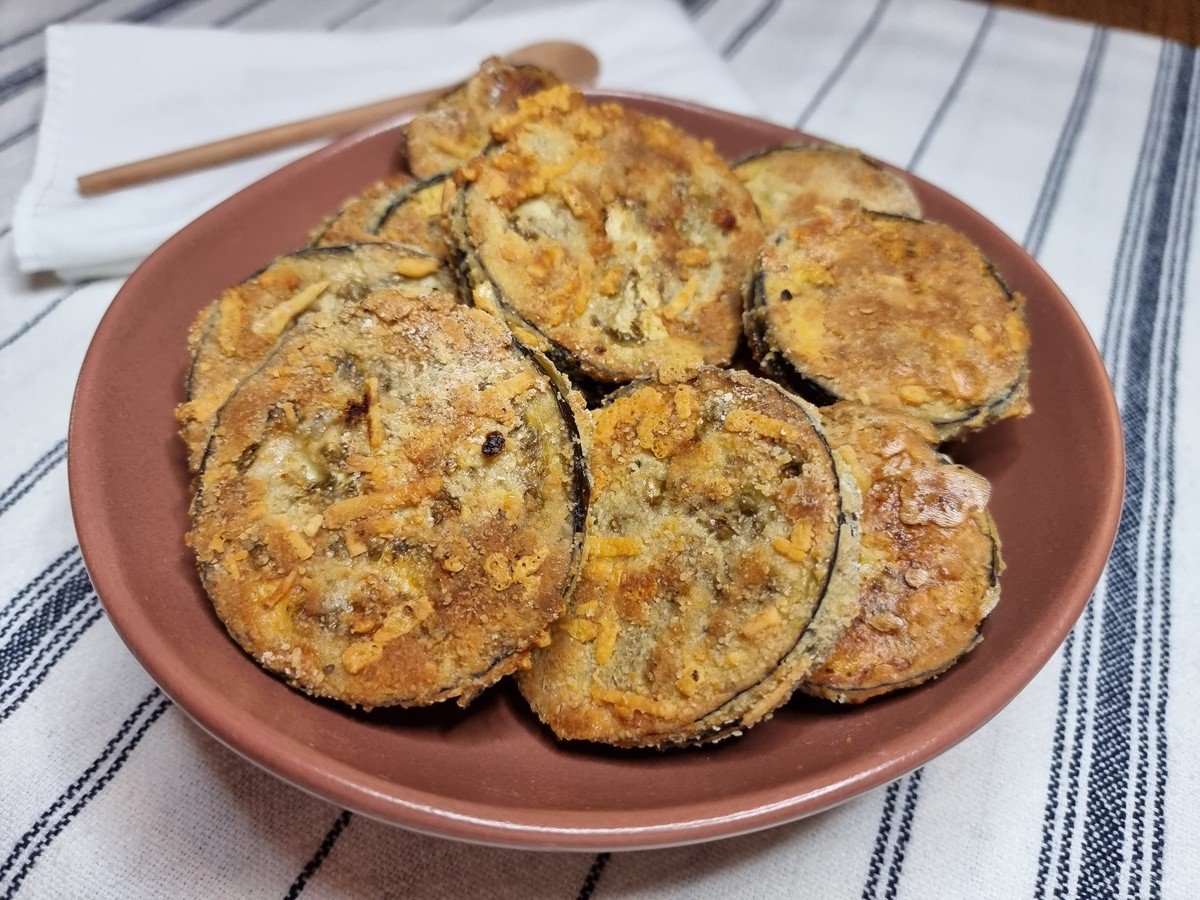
{"x":356,"y":411}
{"x":246,"y":458}
{"x":493,"y":443}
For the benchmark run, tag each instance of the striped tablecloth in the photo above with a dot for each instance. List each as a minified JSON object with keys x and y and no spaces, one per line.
{"x":1081,"y":142}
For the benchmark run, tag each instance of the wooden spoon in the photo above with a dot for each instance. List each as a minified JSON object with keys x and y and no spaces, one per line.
{"x":573,"y":63}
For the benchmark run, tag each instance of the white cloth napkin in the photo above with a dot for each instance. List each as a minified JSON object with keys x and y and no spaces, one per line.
{"x":117,"y":93}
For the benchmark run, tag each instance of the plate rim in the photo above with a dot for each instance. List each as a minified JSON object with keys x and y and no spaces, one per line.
{"x":330,"y":779}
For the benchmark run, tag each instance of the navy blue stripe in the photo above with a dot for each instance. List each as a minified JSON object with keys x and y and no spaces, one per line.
{"x":1049,"y":818}
{"x":1158,"y":833}
{"x":351,"y":16}
{"x":1064,"y":801}
{"x":43,"y":583}
{"x":1064,"y":151}
{"x":1044,"y":207}
{"x":17,"y":136}
{"x":1113,"y":343}
{"x":46,"y":310}
{"x":32,"y":32}
{"x":1108,"y":784}
{"x":852,"y":51}
{"x":63,"y":641}
{"x":77,"y":785}
{"x":911,"y":793}
{"x":882,"y":839}
{"x":232,"y":17}
{"x":964,"y":69}
{"x":29,"y":74}
{"x":18,"y":80}
{"x":42,"y":833}
{"x":593,"y":876}
{"x":1161,"y":527}
{"x":44,"y":620}
{"x":1075,"y":761}
{"x":31,"y":476}
{"x":318,"y":858}
{"x":471,"y":10}
{"x":153,"y":10}
{"x":760,"y":18}
{"x":1128,"y":248}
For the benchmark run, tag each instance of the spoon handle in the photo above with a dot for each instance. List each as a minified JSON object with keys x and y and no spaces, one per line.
{"x":251,"y":143}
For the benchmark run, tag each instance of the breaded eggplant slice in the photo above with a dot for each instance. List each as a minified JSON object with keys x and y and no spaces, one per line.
{"x":790,"y":183}
{"x":719,"y":565}
{"x":930,"y":562}
{"x":396,"y":210}
{"x":415,"y":217}
{"x":891,"y":312}
{"x":391,"y":508}
{"x":236,"y":332}
{"x":357,"y":220}
{"x":457,"y":126}
{"x":612,"y":241}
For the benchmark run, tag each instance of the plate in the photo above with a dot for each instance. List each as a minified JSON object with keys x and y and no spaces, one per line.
{"x":490,"y":773}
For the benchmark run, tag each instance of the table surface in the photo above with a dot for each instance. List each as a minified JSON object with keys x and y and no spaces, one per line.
{"x":1175,"y":19}
{"x":1081,"y":142}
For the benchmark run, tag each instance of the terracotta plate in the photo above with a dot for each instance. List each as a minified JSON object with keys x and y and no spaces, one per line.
{"x":490,"y":773}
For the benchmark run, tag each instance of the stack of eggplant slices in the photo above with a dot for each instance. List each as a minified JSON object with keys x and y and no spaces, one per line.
{"x":498,"y":419}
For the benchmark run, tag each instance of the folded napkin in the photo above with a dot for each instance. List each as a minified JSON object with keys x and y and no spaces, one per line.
{"x":116,"y":93}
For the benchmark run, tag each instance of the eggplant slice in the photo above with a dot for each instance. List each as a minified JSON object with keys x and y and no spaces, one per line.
{"x":415,"y":217}
{"x":719,"y":565}
{"x":613,"y":241}
{"x":394,"y":210}
{"x":357,"y":220}
{"x":456,"y":127}
{"x":391,"y":508}
{"x":790,"y":183}
{"x":930,"y":562}
{"x":236,"y":332}
{"x":892,"y":312}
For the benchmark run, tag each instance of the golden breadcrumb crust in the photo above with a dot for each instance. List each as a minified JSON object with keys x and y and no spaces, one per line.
{"x":390,"y":511}
{"x":718,"y":565}
{"x":416,"y":217}
{"x":395,"y":210}
{"x":789,"y":184}
{"x":612,"y":240}
{"x":456,"y":127}
{"x":236,"y":332}
{"x":357,"y":220}
{"x":930,"y":558}
{"x":894,"y":313}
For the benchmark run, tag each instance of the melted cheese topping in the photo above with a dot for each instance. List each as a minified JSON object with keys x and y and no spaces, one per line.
{"x":625,"y":243}
{"x":711,"y":539}
{"x":455,"y":128}
{"x":380,"y":545}
{"x":231,"y":337}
